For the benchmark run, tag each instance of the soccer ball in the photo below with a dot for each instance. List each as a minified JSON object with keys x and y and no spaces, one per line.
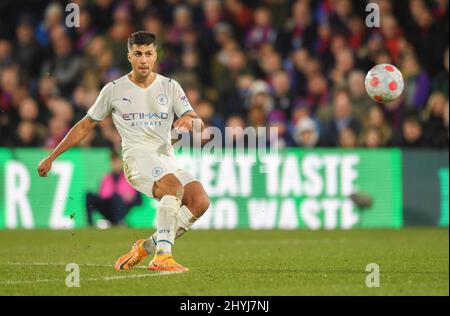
{"x":384,"y":83}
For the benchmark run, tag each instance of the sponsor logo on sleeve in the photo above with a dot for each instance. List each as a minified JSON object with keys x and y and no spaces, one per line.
{"x":184,"y":101}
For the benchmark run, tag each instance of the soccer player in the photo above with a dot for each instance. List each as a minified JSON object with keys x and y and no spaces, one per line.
{"x":143,"y":104}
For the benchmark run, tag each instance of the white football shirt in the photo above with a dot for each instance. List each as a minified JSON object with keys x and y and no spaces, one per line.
{"x":143,"y":117}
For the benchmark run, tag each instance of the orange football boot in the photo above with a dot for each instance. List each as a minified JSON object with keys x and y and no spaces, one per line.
{"x":133,"y":257}
{"x":165,"y":262}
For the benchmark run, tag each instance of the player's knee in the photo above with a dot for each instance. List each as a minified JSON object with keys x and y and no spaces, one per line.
{"x":180,"y":192}
{"x":198,"y":205}
{"x":169,"y":185}
{"x":204,"y":204}
{"x":175,"y":190}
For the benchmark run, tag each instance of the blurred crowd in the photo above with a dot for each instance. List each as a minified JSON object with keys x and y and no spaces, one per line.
{"x":296,"y":65}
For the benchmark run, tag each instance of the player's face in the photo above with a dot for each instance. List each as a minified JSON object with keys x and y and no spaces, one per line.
{"x":142,"y":59}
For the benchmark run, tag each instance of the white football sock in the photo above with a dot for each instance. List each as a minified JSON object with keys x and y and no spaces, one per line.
{"x":185,"y":220}
{"x":166,"y":223}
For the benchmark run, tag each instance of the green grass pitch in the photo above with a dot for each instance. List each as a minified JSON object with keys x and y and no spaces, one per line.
{"x":412,"y":262}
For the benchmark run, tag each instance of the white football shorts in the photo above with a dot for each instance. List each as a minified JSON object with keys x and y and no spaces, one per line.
{"x":143,"y":171}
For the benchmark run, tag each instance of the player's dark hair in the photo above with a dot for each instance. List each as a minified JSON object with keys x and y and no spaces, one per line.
{"x":141,"y":38}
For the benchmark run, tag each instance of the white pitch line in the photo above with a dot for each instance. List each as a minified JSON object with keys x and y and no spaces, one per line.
{"x":59,"y":264}
{"x":107,"y":278}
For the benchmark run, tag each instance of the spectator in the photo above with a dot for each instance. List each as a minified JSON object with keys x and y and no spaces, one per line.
{"x":240,"y":15}
{"x":257,"y":116}
{"x":282,"y":94}
{"x":6,"y":58}
{"x":117,"y":36}
{"x":279,"y":133}
{"x":57,"y":129}
{"x":234,"y":132}
{"x":213,"y":12}
{"x":238,"y":101}
{"x":412,"y":135}
{"x":417,"y":83}
{"x":318,"y":94}
{"x":9,"y":87}
{"x":342,"y":118}
{"x":359,"y":98}
{"x":340,"y":15}
{"x":47,"y":89}
{"x":299,"y":112}
{"x":375,"y":120}
{"x":357,"y":31}
{"x":27,"y":135}
{"x":115,"y":197}
{"x":372,"y":50}
{"x":61,"y":109}
{"x":372,"y":138}
{"x":189,"y":73}
{"x":393,"y":38}
{"x":65,"y":66}
{"x":139,"y":10}
{"x":440,"y":9}
{"x":425,"y":34}
{"x":152,"y":23}
{"x":345,"y":62}
{"x":103,"y":10}
{"x":182,"y":23}
{"x":85,"y":32}
{"x":306,"y":133}
{"x":386,"y":7}
{"x":262,"y":31}
{"x":206,"y":112}
{"x":347,"y":138}
{"x":299,"y":30}
{"x":106,"y":67}
{"x":29,"y":112}
{"x":437,"y":132}
{"x":269,"y":63}
{"x":322,"y":43}
{"x":227,"y":76}
{"x":53,"y":19}
{"x":213,"y":20}
{"x":194,"y":95}
{"x":29,"y":53}
{"x":12,"y":92}
{"x":441,"y":82}
{"x":260,"y":96}
{"x":300,"y":59}
{"x":248,"y":58}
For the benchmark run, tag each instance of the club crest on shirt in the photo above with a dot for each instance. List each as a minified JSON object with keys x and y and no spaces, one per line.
{"x":162,"y":99}
{"x":157,"y":171}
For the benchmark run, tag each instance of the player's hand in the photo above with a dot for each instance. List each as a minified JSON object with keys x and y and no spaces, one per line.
{"x":44,"y":167}
{"x":187,"y":122}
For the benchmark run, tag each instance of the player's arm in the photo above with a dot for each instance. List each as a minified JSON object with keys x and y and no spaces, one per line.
{"x":73,"y":138}
{"x":188,"y":121}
